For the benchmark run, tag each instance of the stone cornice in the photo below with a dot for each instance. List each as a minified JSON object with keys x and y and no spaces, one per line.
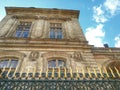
{"x":43,"y":17}
{"x":107,"y":51}
{"x":36,"y":11}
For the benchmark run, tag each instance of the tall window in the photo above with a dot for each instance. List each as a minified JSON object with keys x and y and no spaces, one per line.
{"x":56,"y":63}
{"x":7,"y":63}
{"x":23,"y":30}
{"x":56,"y":30}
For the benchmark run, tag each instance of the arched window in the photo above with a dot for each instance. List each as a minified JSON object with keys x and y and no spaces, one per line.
{"x":54,"y":63}
{"x":8,"y":62}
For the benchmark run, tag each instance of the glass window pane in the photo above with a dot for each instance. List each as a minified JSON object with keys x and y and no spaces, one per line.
{"x":52,"y":33}
{"x":56,"y":63}
{"x":23,"y":29}
{"x":18,"y":33}
{"x":61,"y":63}
{"x":13,"y":63}
{"x":53,"y":63}
{"x":4,"y":63}
{"x":25,"y":34}
{"x":59,"y":34}
{"x":56,"y":30}
{"x":49,"y":64}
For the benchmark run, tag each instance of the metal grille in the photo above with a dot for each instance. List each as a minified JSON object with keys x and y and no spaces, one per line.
{"x":59,"y":84}
{"x":12,"y":80}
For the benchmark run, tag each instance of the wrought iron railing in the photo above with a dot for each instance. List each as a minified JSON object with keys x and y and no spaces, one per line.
{"x":57,"y":80}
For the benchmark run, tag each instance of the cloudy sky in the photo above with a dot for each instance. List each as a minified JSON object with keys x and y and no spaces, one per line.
{"x":99,"y":19}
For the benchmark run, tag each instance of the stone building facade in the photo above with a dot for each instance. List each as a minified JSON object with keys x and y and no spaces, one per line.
{"x":39,"y":38}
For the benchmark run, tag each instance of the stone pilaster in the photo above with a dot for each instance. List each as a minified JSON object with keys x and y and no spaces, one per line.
{"x":13,"y":28}
{"x":37,"y":31}
{"x":4,"y":21}
{"x":46,"y":31}
{"x":5,"y":28}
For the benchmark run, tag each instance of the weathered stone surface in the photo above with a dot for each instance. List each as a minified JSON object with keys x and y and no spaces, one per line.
{"x":38,"y":48}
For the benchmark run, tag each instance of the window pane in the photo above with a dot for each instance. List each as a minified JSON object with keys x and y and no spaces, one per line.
{"x":52,"y":33}
{"x":56,"y":30}
{"x":18,"y":33}
{"x":59,"y":33}
{"x":49,"y":64}
{"x":52,"y":64}
{"x":23,"y":29}
{"x":56,"y":63}
{"x":13,"y":63}
{"x":4,"y":63}
{"x":61,"y":63}
{"x":25,"y":34}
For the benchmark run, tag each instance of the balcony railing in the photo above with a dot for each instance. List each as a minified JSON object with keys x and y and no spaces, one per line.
{"x":57,"y":80}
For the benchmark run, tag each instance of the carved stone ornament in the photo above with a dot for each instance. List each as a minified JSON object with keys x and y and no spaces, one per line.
{"x":34,"y":55}
{"x":77,"y":56}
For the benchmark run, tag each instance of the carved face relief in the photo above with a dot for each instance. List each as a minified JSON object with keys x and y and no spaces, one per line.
{"x":34,"y":55}
{"x":77,"y":56}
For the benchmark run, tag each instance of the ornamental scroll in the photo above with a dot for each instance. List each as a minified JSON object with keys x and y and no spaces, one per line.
{"x":77,"y":56}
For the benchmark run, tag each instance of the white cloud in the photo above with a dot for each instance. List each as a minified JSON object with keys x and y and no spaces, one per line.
{"x":117,"y":41}
{"x":98,"y":10}
{"x":95,"y":35}
{"x":102,"y":13}
{"x":112,"y":6}
{"x":98,"y":14}
{"x":105,"y":11}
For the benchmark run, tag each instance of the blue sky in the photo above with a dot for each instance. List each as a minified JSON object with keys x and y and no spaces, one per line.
{"x":99,"y":19}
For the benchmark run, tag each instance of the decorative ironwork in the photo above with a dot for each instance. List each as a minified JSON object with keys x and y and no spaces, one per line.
{"x":62,"y":79}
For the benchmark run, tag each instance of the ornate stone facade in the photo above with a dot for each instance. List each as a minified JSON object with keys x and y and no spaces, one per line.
{"x":36,"y":50}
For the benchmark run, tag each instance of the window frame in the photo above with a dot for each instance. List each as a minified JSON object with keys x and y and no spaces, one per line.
{"x":23,"y":29}
{"x":55,"y":31}
{"x":57,"y":62}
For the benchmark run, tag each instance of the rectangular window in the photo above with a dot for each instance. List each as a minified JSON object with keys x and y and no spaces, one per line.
{"x":23,"y":30}
{"x":56,"y":30}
